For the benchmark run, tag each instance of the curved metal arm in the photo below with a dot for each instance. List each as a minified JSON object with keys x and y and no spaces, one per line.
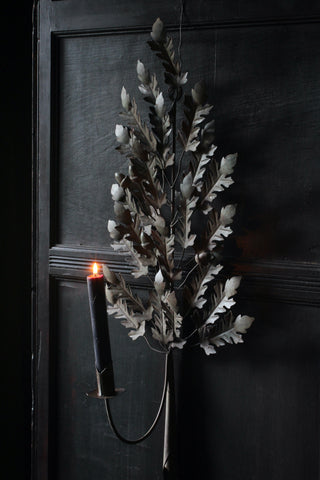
{"x":154,"y":423}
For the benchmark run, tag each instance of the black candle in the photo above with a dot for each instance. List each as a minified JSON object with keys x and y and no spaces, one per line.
{"x":99,"y":322}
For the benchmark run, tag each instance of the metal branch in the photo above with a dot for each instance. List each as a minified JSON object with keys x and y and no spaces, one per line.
{"x":179,"y":169}
{"x":187,"y":276}
{"x":154,"y":423}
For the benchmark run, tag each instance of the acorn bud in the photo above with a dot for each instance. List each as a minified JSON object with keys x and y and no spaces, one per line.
{"x":158,"y":32}
{"x":119,"y":177}
{"x":202,"y":258}
{"x":122,"y":213}
{"x":114,"y":233}
{"x":143,"y":73}
{"x":199,"y":94}
{"x":117,"y":192}
{"x":122,"y":134}
{"x":125,"y":100}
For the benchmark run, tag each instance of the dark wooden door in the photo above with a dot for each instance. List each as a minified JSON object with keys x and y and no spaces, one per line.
{"x":251,"y":411}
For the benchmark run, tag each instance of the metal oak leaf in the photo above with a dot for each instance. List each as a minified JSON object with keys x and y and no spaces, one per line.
{"x":217,"y":180}
{"x":200,"y":284}
{"x":195,"y":114}
{"x":229,"y":331}
{"x":223,"y":298}
{"x":172,"y":236}
{"x":183,"y":233}
{"x":201,"y":169}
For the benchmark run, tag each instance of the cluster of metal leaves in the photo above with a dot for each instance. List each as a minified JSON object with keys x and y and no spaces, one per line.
{"x":172,"y":235}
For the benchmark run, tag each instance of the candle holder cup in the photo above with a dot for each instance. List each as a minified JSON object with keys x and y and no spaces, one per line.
{"x":105,"y":385}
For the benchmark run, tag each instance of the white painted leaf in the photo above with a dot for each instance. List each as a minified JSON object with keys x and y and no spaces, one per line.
{"x":242,"y":323}
{"x":228,"y":331}
{"x":143,"y":73}
{"x":217,"y":180}
{"x":122,"y":134}
{"x":227,"y":213}
{"x":159,"y":106}
{"x":134,"y":334}
{"x":201,"y":112}
{"x":224,"y":305}
{"x":170,"y":305}
{"x":143,"y":89}
{"x":165,"y":338}
{"x":190,"y":140}
{"x":140,"y":263}
{"x":232,"y":285}
{"x":219,"y":235}
{"x":111,"y":227}
{"x":125,"y":100}
{"x":201,"y":168}
{"x":186,"y":187}
{"x":228,"y":163}
{"x":145,"y":134}
{"x":158,"y":31}
{"x":207,"y":347}
{"x":223,"y":299}
{"x":183,"y":231}
{"x":182,"y":78}
{"x":178,"y":344}
{"x":198,"y":93}
{"x":220,"y":185}
{"x":159,"y":283}
{"x":168,"y":158}
{"x":117,"y":192}
{"x":121,"y":310}
{"x":232,"y":331}
{"x":140,"y":271}
{"x":200,"y":284}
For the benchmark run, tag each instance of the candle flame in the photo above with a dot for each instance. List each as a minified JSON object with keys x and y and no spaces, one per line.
{"x":95,"y":269}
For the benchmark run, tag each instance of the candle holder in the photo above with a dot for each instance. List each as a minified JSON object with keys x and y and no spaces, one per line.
{"x":105,"y":391}
{"x":105,"y":385}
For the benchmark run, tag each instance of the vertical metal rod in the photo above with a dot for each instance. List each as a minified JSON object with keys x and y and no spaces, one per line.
{"x":170,"y":461}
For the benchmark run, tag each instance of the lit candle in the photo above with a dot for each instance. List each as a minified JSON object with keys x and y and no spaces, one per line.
{"x":100,"y":331}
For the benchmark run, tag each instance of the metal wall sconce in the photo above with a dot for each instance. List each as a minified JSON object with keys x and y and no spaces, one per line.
{"x":105,"y":377}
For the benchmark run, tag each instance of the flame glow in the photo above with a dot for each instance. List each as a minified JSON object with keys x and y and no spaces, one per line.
{"x":95,"y":269}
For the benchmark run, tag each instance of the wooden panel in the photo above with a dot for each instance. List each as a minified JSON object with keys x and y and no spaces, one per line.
{"x":81,"y":14}
{"x":238,"y":410}
{"x":251,"y":411}
{"x":81,"y":442}
{"x":92,"y":72}
{"x":243,"y":412}
{"x":270,"y":117}
{"x":266,"y":108}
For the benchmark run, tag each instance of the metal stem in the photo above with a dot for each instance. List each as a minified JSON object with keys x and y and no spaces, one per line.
{"x":173,"y":170}
{"x":170,"y":464}
{"x":154,"y":423}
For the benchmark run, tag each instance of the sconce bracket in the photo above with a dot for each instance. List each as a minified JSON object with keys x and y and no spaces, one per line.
{"x":95,"y":394}
{"x":105,"y":385}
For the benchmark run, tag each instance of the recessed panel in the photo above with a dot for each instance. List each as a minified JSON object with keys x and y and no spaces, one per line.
{"x":92,"y":73}
{"x":264,"y":85}
{"x":251,"y":410}
{"x":141,"y":12}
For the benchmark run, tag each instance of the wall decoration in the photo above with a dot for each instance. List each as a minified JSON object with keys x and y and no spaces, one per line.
{"x":166,"y":217}
{"x":170,"y":227}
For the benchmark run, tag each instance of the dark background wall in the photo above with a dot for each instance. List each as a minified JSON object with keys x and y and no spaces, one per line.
{"x":282,"y":369}
{"x":251,"y":411}
{"x":15,"y":235}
